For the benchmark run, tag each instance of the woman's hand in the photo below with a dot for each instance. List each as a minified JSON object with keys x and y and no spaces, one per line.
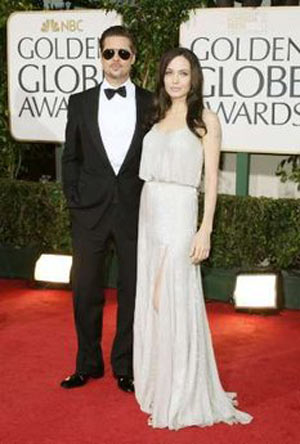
{"x":200,"y":247}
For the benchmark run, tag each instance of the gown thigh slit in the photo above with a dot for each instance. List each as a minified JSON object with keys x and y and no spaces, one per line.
{"x":176,"y":377}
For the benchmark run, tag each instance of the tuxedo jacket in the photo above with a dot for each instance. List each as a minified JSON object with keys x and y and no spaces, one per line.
{"x":89,"y":181}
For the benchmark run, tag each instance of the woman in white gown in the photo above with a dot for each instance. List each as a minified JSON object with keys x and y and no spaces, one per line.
{"x":176,"y":378}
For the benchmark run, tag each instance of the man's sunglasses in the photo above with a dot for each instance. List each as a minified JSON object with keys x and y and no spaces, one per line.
{"x":108,"y":54}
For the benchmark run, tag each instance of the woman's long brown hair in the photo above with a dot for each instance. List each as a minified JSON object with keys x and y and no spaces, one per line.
{"x":162,"y":101}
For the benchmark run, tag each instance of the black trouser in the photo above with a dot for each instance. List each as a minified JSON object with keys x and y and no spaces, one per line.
{"x":89,"y":248}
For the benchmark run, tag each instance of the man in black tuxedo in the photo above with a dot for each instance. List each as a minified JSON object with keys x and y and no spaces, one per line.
{"x":104,"y":134}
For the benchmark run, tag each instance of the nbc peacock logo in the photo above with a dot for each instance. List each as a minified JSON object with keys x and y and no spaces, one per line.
{"x":71,"y":25}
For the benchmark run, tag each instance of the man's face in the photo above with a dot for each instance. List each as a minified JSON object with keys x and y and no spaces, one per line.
{"x":117,"y":69}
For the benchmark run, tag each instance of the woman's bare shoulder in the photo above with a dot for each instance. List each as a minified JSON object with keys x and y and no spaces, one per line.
{"x":213,"y":126}
{"x":211,"y":121}
{"x":210,"y":117}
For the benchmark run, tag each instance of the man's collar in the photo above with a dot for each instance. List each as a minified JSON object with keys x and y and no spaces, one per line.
{"x":129,"y":85}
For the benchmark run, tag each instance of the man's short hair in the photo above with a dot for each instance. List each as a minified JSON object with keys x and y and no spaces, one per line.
{"x":118,"y":31}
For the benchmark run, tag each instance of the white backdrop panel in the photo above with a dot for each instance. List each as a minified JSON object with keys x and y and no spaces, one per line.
{"x":51,"y":54}
{"x":251,"y":63}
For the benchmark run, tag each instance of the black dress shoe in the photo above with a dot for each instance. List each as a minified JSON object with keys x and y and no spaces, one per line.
{"x":126,"y":384}
{"x":79,"y":379}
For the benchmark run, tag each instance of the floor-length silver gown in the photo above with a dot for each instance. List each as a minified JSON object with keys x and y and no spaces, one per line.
{"x":176,"y":378}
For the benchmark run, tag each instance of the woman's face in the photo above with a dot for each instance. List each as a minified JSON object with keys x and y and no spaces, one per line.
{"x":177,"y":79}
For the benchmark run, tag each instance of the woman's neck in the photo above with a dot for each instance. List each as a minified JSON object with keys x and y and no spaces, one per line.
{"x":177,"y":107}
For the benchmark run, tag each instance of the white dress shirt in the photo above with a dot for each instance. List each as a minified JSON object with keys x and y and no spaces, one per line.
{"x":117,"y":120}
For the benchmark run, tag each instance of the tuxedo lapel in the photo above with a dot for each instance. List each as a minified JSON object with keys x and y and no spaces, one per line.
{"x":136,"y":135}
{"x":94,"y":125}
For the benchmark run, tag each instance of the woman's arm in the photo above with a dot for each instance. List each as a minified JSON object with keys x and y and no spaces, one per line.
{"x":211,"y":144}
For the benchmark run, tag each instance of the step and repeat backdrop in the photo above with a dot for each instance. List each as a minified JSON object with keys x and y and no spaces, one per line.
{"x":250,"y":58}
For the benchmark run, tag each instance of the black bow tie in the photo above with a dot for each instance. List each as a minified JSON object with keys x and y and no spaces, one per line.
{"x":110,"y":92}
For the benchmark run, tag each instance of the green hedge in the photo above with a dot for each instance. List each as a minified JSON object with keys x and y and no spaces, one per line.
{"x":248,"y":231}
{"x":33,"y":214}
{"x":252,"y":231}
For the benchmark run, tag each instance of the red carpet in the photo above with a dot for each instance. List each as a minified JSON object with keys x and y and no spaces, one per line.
{"x":257,"y":356}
